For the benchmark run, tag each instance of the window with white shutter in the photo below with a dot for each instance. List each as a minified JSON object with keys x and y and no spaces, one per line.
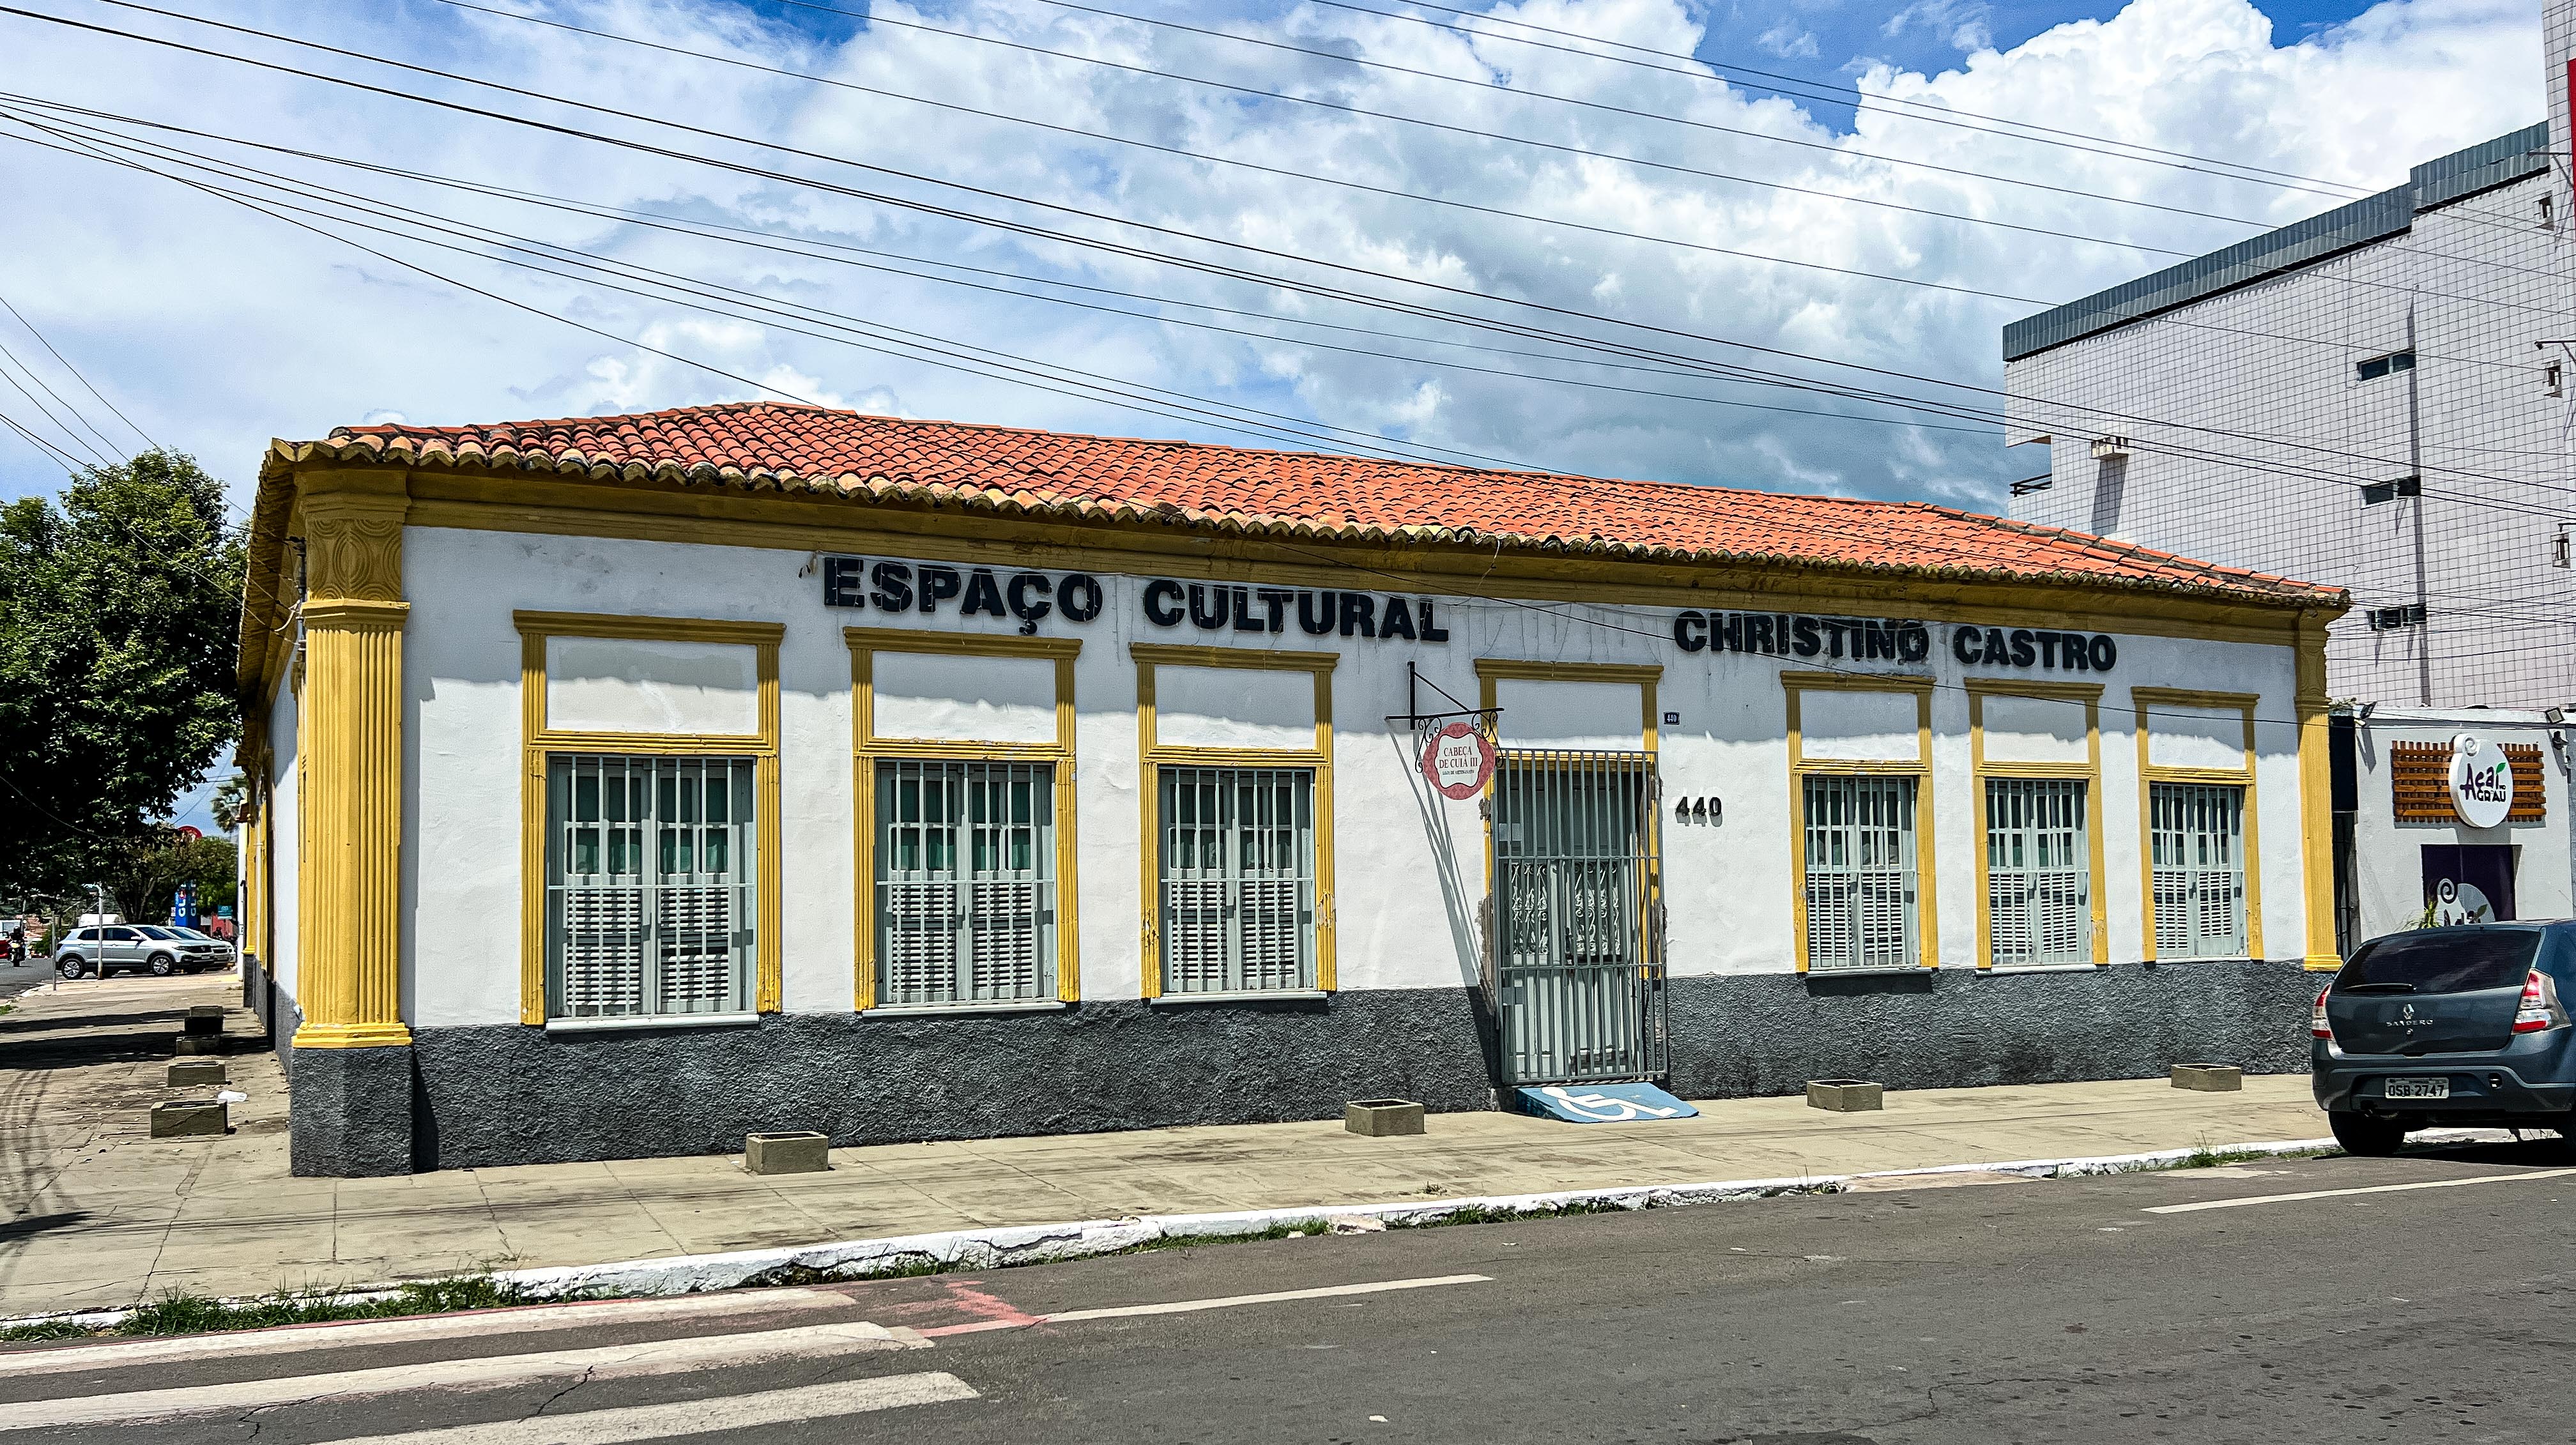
{"x":966,"y":886}
{"x":650,"y":903}
{"x":2197,"y":833}
{"x":1861,"y":898}
{"x":1238,"y":879}
{"x":2039,"y":902}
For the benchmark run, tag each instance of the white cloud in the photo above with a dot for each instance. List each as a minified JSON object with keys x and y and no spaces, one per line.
{"x":1788,"y":41}
{"x":217,"y":329}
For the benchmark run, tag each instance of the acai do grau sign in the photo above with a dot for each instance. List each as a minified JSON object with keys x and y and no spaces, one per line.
{"x":1793,"y":634}
{"x":931,"y":588}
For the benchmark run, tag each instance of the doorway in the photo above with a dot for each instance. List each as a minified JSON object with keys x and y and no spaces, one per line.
{"x":1577,"y":916}
{"x":2468,"y":883}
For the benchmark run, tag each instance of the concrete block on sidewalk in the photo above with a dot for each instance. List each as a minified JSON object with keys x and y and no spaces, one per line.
{"x":197,"y":1071}
{"x":2209,"y":1078}
{"x":798,"y":1151}
{"x":190,"y":1118}
{"x":205,"y":1018}
{"x":1379,"y":1118}
{"x":1845,"y":1096}
{"x":199,"y":1044}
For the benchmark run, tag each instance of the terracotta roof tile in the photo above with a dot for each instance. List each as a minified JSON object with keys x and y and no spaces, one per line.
{"x":769,"y":445}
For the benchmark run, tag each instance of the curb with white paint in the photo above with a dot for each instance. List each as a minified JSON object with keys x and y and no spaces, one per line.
{"x":1026,"y":1244}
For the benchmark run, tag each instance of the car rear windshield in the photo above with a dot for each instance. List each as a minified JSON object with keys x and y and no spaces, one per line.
{"x":2445,"y":960}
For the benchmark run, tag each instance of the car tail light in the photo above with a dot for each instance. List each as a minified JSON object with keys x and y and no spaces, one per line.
{"x":2539,"y":1007}
{"x":2317,"y":1025}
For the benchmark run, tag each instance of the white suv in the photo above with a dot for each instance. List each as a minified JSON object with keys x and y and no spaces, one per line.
{"x":103,"y":950}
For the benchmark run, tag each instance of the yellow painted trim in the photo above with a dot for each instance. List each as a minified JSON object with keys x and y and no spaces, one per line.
{"x":2316,"y":802}
{"x":2144,"y":701}
{"x":1927,"y":925}
{"x":539,"y":738}
{"x":2089,"y":772}
{"x":1179,"y":655}
{"x":867,"y":749}
{"x":349,"y":742}
{"x":1522,"y":670}
{"x":1152,"y":755}
{"x":1857,"y":682}
{"x":648,"y":629}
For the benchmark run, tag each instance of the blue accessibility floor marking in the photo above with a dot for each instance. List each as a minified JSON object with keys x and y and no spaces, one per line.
{"x":1603,"y":1103}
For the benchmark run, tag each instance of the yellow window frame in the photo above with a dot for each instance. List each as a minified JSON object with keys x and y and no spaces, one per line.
{"x":2089,"y":773}
{"x":1491,"y":671}
{"x":1927,"y":891}
{"x":1153,"y":755}
{"x":2145,"y":700}
{"x":540,"y":739}
{"x":867,"y":747}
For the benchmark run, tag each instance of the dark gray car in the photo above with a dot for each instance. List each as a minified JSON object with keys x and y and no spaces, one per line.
{"x":2447,"y":1027}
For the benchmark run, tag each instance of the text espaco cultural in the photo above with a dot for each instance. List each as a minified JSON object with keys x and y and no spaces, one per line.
{"x":1028,"y":597}
{"x":1793,"y":634}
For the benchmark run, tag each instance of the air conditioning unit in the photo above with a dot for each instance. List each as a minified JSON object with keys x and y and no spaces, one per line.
{"x":2105,"y":448}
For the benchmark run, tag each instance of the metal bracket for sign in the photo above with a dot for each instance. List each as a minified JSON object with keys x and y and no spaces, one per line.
{"x":1422,"y":722}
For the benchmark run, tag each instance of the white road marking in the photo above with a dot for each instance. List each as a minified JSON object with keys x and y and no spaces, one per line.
{"x":697,"y":1417}
{"x":290,"y":1339}
{"x":607,"y":1362}
{"x":2370,"y":1189}
{"x":1187,"y":1306}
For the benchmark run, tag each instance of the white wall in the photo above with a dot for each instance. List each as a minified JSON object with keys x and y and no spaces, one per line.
{"x":1410,"y":870}
{"x":285,"y":827}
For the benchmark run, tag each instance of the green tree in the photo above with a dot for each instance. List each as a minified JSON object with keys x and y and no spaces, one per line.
{"x":143,"y":874}
{"x":119,"y":619}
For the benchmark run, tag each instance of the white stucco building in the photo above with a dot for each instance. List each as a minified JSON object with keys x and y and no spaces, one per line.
{"x":631,"y":783}
{"x":2379,"y":397}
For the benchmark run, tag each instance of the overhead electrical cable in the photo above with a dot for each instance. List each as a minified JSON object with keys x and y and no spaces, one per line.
{"x":1615,"y":232}
{"x":1893,"y":105}
{"x":76,"y":375}
{"x":773,"y":243}
{"x":1107,"y":388}
{"x":1418,"y":309}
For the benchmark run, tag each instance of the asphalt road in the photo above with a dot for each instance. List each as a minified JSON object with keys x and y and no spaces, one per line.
{"x":2055,"y":1311}
{"x":22,"y":977}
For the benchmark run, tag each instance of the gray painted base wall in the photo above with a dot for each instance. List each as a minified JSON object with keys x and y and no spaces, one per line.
{"x":509,"y":1094}
{"x":275,"y":1008}
{"x":1760,"y":1034}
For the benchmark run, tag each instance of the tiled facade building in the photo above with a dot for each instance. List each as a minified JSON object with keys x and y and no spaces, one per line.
{"x":2378,"y":397}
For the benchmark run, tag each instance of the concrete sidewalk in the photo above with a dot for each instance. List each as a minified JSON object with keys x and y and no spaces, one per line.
{"x":98,"y":1215}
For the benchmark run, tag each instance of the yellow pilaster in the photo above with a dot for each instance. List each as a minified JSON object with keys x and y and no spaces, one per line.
{"x":349,"y":965}
{"x":2316,"y":795}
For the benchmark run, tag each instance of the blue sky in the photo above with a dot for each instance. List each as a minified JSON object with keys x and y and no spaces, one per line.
{"x":1622,"y":195}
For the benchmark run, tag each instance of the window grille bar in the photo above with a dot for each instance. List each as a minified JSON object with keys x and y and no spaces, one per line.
{"x":2197,"y":848}
{"x":649,"y":885}
{"x":1238,"y":879}
{"x":966,"y":885}
{"x":2039,"y":904}
{"x":1861,"y":887}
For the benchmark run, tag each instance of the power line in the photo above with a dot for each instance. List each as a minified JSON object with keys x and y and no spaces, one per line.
{"x":1734,"y":370}
{"x":76,"y":375}
{"x":1546,"y":220}
{"x":1894,"y":106}
{"x":1120,"y":248}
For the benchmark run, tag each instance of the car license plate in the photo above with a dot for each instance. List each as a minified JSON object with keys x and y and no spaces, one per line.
{"x":2417,"y":1089}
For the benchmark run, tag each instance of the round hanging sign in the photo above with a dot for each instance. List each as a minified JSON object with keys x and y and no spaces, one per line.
{"x":1458,"y":759}
{"x":2481,"y":781}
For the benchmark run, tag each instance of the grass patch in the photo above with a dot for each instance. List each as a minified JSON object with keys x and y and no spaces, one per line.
{"x":185,"y":1314}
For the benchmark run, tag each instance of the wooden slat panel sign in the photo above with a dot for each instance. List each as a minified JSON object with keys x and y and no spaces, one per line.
{"x":2421,"y":775}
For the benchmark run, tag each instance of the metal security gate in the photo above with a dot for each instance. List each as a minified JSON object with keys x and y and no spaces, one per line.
{"x":1577,"y":917}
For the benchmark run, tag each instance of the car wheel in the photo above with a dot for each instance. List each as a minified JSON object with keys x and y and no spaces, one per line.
{"x":163,"y":965}
{"x":2363,"y":1135}
{"x":69,"y":968}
